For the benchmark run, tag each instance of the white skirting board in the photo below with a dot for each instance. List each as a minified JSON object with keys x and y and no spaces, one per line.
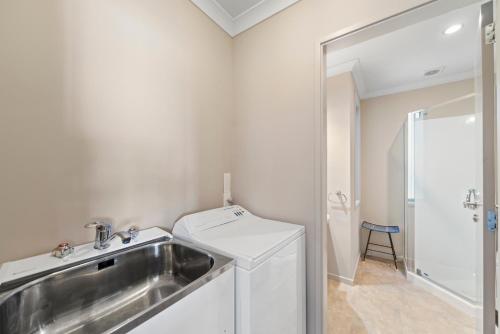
{"x":346,"y":280}
{"x":443,"y":294}
{"x":400,"y":258}
{"x":343,"y":279}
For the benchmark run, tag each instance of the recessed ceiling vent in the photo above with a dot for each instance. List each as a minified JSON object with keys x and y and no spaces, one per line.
{"x":433,"y":72}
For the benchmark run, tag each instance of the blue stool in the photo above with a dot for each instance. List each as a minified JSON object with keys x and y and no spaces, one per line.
{"x":383,"y":229}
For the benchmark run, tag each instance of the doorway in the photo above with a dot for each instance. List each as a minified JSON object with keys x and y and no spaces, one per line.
{"x":408,"y":145}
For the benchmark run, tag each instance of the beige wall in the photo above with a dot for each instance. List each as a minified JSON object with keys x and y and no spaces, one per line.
{"x":113,"y":108}
{"x":274,"y":129}
{"x":382,"y":150}
{"x":122,"y":108}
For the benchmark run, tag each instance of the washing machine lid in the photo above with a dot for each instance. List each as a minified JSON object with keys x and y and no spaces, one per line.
{"x":247,"y":238}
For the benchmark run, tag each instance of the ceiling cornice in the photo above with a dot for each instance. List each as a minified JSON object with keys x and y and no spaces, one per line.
{"x":353,"y":66}
{"x":252,"y":16}
{"x":424,"y":83}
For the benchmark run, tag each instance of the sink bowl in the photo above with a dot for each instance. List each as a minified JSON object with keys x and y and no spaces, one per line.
{"x":109,"y":294}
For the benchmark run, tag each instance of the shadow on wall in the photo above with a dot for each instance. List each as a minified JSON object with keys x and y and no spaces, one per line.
{"x":107,"y":111}
{"x":37,"y":142}
{"x":396,"y":194}
{"x":396,"y":198}
{"x":331,"y":256}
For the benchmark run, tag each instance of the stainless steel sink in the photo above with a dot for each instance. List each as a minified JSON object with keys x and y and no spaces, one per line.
{"x":109,"y":294}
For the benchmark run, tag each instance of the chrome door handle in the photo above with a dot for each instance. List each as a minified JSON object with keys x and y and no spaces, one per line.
{"x":471,"y":205}
{"x":471,"y":199}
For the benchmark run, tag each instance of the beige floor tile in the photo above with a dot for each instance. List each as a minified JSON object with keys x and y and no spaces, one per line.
{"x":383,"y":301}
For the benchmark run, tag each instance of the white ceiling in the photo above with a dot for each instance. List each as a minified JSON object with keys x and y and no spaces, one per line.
{"x":397,"y":61}
{"x":236,"y":16}
{"x":236,"y":8}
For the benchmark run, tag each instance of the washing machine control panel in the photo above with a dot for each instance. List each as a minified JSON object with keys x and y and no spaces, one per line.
{"x":205,"y":220}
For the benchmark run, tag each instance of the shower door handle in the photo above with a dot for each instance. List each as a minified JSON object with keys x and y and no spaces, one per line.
{"x":471,"y":199}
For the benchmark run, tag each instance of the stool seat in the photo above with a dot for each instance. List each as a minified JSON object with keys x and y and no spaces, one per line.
{"x":383,"y":229}
{"x":380,"y":228}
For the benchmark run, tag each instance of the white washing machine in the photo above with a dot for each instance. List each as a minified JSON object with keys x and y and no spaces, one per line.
{"x":270,"y":266}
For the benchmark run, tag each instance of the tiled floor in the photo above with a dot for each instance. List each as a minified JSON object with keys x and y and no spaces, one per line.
{"x":383,"y":301}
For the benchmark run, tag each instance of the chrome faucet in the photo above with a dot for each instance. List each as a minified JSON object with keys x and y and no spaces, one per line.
{"x":103,"y":234}
{"x":127,"y":236}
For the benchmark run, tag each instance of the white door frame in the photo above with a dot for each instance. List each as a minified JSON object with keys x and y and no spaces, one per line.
{"x":349,"y":36}
{"x":489,"y":177}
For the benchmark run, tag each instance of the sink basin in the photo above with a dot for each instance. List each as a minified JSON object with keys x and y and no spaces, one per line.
{"x":109,"y":294}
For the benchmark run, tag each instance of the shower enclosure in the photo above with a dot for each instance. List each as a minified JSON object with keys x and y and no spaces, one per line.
{"x":443,"y":213}
{"x":443,"y":174}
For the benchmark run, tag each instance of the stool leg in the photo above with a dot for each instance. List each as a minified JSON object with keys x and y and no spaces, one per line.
{"x":393,"y":251}
{"x":367,"y":242}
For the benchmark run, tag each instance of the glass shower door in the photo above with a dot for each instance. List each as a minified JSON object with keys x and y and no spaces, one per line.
{"x":447,"y":190}
{"x":453,"y":213}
